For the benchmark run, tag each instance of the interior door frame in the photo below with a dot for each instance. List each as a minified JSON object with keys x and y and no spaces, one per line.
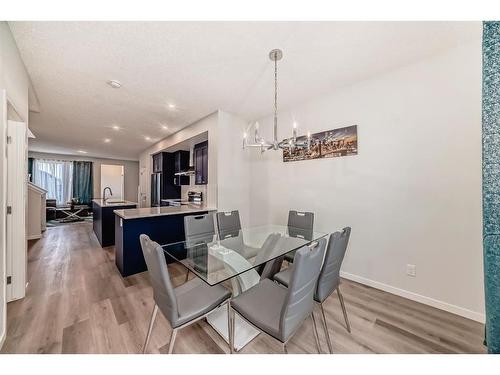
{"x":5,"y":102}
{"x":3,"y":210}
{"x":16,"y":194}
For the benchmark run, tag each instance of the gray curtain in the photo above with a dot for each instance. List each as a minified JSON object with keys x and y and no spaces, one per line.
{"x":82,"y":181}
{"x":491,"y":181}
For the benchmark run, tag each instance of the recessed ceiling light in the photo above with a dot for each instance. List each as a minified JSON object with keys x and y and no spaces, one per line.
{"x":107,"y":140}
{"x":171,"y":105}
{"x":147,"y":138}
{"x":114,"y":84}
{"x":164,"y":127}
{"x":82,"y":151}
{"x":116,"y":127}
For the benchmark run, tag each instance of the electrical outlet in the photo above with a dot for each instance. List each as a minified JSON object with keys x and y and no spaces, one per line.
{"x":411,"y":270}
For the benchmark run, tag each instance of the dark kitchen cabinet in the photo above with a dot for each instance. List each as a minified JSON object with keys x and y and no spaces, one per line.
{"x":200,"y":157}
{"x":169,"y":190}
{"x":158,"y":162}
{"x":181,"y":162}
{"x":162,"y":178}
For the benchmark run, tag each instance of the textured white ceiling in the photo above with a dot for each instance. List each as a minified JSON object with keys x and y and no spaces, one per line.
{"x":201,"y":67}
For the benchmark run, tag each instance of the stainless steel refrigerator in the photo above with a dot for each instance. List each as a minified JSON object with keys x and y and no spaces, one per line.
{"x":156,"y":189}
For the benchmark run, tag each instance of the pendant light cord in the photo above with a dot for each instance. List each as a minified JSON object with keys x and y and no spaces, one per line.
{"x":275,"y":99}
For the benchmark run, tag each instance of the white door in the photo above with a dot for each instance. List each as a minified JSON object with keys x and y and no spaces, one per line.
{"x":112,"y":177}
{"x":3,"y":200}
{"x":16,"y":209}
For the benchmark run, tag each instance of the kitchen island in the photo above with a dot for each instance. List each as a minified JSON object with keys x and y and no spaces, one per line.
{"x":162,"y":224}
{"x":104,"y":219}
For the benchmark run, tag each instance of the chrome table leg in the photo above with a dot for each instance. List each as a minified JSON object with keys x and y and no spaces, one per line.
{"x":150,"y":329}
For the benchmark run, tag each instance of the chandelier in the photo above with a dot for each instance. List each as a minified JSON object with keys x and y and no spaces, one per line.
{"x":291,"y":143}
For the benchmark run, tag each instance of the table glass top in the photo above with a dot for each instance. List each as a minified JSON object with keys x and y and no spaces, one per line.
{"x":241,"y":253}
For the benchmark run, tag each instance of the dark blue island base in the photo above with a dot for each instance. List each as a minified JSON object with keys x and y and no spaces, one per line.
{"x":104,"y":220}
{"x":162,"y":229}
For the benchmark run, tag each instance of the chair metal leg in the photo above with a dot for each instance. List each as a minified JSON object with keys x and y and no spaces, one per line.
{"x":315,"y":329}
{"x":150,"y":329}
{"x":233,"y":330}
{"x":187,"y":276}
{"x":327,"y":334}
{"x":230,"y":324}
{"x":285,"y":350}
{"x":172,"y":341}
{"x":341,"y":299}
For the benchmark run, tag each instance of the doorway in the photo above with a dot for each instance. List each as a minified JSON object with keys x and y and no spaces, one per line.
{"x":13,"y":187}
{"x":112,"y":176}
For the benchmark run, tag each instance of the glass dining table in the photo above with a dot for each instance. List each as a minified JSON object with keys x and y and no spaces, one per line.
{"x":238,"y":258}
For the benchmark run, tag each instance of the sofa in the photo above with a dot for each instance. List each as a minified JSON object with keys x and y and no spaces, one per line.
{"x":51,"y":209}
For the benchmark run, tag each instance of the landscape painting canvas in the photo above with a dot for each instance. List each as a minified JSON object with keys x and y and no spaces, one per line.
{"x":327,"y":144}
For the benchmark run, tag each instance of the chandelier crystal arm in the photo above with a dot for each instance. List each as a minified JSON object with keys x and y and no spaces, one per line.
{"x":289,"y":143}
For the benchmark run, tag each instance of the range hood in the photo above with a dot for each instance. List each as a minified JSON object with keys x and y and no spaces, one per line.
{"x":187,"y":172}
{"x":190,"y":170}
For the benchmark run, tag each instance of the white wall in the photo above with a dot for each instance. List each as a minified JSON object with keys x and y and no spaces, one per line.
{"x":206,"y":124}
{"x":14,"y":83}
{"x":131,"y":171}
{"x":233,"y":166}
{"x":13,"y":75}
{"x":112,"y":177}
{"x":411,"y":195}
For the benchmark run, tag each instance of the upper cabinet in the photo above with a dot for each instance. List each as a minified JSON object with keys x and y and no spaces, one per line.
{"x":200,"y":157}
{"x":169,"y":164}
{"x":157,"y":162}
{"x":181,"y":162}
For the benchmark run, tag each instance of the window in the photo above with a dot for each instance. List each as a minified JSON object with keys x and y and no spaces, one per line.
{"x":56,"y":177}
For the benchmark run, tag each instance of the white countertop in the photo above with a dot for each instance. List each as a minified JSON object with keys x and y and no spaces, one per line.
{"x":136,"y":213}
{"x":110,"y":203}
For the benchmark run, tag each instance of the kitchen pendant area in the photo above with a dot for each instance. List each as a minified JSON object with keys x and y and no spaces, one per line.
{"x":180,"y":173}
{"x":178,"y":188}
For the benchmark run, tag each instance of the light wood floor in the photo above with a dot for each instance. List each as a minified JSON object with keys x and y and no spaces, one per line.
{"x":77,"y":302}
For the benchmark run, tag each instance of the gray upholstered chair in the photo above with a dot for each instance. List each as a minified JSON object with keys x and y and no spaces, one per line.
{"x":329,"y":277}
{"x":269,"y":247}
{"x":300,"y":224}
{"x":229,"y":227}
{"x":199,"y":230}
{"x":228,"y":223}
{"x":275,"y":245}
{"x":279,"y":311}
{"x":183,"y":305}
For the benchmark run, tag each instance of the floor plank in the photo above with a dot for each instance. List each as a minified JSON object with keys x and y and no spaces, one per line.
{"x":77,"y":302}
{"x":78,"y":338}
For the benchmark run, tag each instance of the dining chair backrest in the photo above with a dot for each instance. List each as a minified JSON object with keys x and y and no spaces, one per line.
{"x":299,"y":302}
{"x":228,"y":223}
{"x":163,"y":291}
{"x":199,"y":229}
{"x":300,"y":224}
{"x":329,"y":276}
{"x":268,"y":269}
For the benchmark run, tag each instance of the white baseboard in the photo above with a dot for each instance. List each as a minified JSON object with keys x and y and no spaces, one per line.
{"x":478,"y":317}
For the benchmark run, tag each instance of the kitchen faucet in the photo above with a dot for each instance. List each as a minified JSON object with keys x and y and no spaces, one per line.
{"x":104,"y":193}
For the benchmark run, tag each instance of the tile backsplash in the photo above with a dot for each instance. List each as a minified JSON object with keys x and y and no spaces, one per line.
{"x":193,"y":187}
